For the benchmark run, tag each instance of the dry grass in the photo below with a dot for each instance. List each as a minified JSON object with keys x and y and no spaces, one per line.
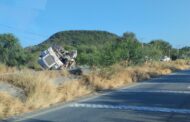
{"x":41,"y":93}
{"x":119,"y":75}
{"x":10,"y":105}
{"x":74,"y":89}
{"x":5,"y":69}
{"x":54,"y":73}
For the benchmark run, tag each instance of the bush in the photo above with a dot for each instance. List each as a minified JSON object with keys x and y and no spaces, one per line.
{"x":11,"y":53}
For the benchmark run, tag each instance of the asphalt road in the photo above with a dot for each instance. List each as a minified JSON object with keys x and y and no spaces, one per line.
{"x":164,"y":99}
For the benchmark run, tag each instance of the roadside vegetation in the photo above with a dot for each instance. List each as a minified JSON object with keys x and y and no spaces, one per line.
{"x":95,"y":48}
{"x":40,"y":92}
{"x":115,"y":62}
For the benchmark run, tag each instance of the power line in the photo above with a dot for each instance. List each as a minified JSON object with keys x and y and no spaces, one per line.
{"x":28,"y":35}
{"x":24,"y":31}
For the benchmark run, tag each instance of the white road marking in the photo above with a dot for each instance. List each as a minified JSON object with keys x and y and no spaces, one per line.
{"x":169,"y":78}
{"x":158,"y":91}
{"x":128,"y":107}
{"x":187,"y":74}
{"x":160,"y":83}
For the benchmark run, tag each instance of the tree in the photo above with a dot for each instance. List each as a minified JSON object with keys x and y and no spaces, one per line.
{"x":184,"y":52}
{"x":151,"y":52}
{"x":126,"y":48}
{"x":11,"y":52}
{"x":129,"y":36}
{"x":162,"y":45}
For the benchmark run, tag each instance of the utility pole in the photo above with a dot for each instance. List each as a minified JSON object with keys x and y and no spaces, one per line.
{"x":177,"y":53}
{"x":169,"y":52}
{"x":179,"y":46}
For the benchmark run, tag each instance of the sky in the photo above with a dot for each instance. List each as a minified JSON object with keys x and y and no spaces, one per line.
{"x":33,"y":21}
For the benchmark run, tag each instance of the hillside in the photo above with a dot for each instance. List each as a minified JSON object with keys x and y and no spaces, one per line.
{"x":74,"y":39}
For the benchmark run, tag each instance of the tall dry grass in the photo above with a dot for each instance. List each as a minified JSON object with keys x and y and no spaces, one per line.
{"x":119,"y":75}
{"x":10,"y":105}
{"x":40,"y":92}
{"x":74,"y":89}
{"x":6,"y":69}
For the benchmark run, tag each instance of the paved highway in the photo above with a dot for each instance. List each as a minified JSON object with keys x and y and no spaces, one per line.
{"x":164,"y":99}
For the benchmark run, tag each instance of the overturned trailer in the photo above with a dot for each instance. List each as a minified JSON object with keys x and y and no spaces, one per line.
{"x":56,"y":57}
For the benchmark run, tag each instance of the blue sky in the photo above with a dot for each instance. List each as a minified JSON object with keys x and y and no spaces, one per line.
{"x":33,"y":21}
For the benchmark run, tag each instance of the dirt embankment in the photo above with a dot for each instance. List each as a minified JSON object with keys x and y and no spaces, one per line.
{"x":41,"y":89}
